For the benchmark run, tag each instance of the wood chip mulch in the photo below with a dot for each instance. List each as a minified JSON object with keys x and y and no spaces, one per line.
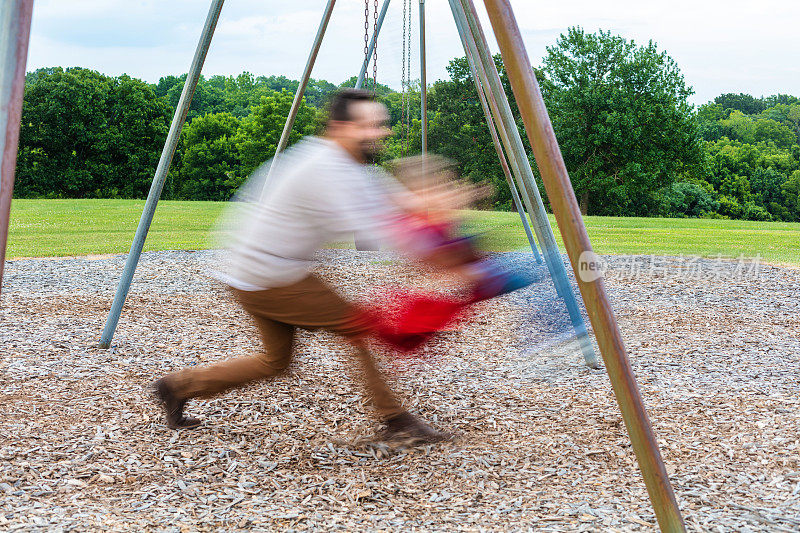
{"x":540,"y":442}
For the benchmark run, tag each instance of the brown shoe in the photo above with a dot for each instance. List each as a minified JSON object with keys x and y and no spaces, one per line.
{"x":406,"y":426}
{"x":173,"y":406}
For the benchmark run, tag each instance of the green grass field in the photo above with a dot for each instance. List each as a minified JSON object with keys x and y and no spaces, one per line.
{"x":84,"y":227}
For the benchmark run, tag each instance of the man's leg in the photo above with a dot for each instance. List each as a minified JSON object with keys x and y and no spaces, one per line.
{"x":207,"y":381}
{"x":309,"y":304}
{"x":377,"y":390}
{"x":210,"y":380}
{"x":399,"y":422}
{"x":312,"y":304}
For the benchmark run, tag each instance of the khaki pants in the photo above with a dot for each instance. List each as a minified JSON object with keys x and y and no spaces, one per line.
{"x":308,"y":304}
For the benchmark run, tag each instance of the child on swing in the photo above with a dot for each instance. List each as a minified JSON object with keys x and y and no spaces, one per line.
{"x":430,"y":231}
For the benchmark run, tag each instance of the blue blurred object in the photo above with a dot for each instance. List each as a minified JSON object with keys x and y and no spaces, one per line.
{"x":499,"y":279}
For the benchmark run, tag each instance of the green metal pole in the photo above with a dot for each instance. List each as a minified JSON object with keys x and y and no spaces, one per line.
{"x":471,"y":50}
{"x":15,"y":29}
{"x":423,"y":81}
{"x":576,"y":240}
{"x":161,"y":173}
{"x":497,"y":146}
{"x":301,"y":88}
{"x":524,"y":174}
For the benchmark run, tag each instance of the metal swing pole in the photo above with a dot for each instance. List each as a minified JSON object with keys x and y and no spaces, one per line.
{"x":301,"y":89}
{"x":473,"y":34}
{"x":423,"y":82}
{"x":470,"y":48}
{"x":15,"y":30}
{"x":579,"y":248}
{"x":517,"y":164}
{"x":372,"y":44}
{"x":499,"y":149}
{"x":161,"y":172}
{"x":495,"y":94}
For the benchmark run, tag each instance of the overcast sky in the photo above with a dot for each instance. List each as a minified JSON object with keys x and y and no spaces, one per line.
{"x":720,"y":45}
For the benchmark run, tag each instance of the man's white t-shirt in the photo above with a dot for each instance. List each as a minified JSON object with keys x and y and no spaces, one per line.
{"x":316,"y":193}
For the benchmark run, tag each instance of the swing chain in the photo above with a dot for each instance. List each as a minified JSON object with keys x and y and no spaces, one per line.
{"x":403,"y":63}
{"x":366,"y":30}
{"x":407,"y":70}
{"x":375,"y":51}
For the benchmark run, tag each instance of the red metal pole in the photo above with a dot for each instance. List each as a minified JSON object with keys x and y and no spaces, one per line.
{"x":15,"y":27}
{"x":579,"y":248}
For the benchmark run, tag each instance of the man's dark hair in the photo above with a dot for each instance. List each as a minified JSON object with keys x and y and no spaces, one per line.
{"x":340,"y":102}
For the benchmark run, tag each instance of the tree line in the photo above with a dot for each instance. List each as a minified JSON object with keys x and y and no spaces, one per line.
{"x":632,"y":142}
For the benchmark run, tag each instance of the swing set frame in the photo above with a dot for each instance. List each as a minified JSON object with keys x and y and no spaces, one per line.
{"x":15,"y":20}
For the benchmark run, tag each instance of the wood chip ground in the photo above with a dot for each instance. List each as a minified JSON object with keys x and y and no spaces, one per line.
{"x":540,"y":441}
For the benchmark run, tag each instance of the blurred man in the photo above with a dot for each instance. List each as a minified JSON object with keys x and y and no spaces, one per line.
{"x":318,"y":190}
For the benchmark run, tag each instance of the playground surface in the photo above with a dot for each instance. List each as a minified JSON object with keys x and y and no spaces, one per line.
{"x":540,"y":441}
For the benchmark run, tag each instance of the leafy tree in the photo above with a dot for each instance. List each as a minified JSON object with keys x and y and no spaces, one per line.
{"x":380,"y":90}
{"x":318,"y":91}
{"x":685,"y":199}
{"x":751,"y":173}
{"x":279,"y":83}
{"x":742,"y":102}
{"x":786,"y":114}
{"x":730,"y":207}
{"x":406,"y":140}
{"x":752,"y":130}
{"x":766,"y":187}
{"x":737,"y":187}
{"x":240,"y":93}
{"x":210,"y":161}
{"x":781,"y":99}
{"x":206,"y":98}
{"x":791,"y":192}
{"x":136,"y":125}
{"x":751,"y":211}
{"x":84,"y":134}
{"x":61,"y":122}
{"x":622,"y":117}
{"x":771,"y":131}
{"x":708,"y":121}
{"x":165,"y":83}
{"x":258,"y":136}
